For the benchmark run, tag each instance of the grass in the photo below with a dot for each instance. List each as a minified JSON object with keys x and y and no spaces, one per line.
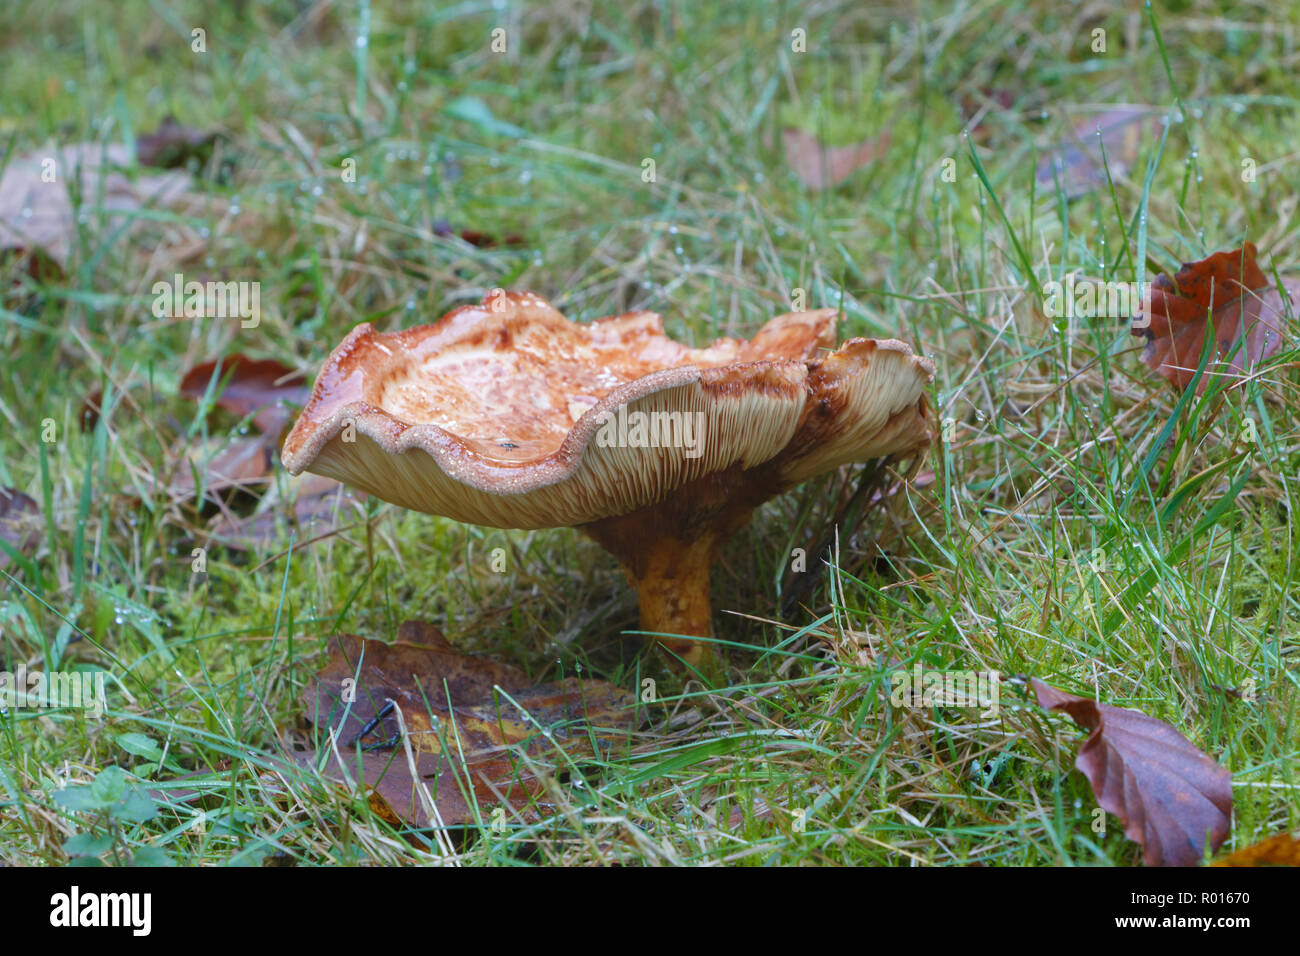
{"x":1085,"y":524}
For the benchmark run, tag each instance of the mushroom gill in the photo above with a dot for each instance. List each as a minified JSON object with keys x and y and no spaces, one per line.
{"x":507,"y":414}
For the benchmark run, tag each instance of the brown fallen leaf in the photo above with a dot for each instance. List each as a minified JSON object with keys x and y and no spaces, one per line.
{"x":759,"y":810}
{"x":262,"y":388}
{"x":91,"y":410}
{"x":1281,"y":849}
{"x":311,"y":504}
{"x":224,"y":465}
{"x":478,"y":728}
{"x":19,"y":523}
{"x":1249,"y":317}
{"x":1169,"y":795}
{"x":37,"y":214}
{"x":820,"y":166}
{"x":173,"y":144}
{"x":482,"y":240}
{"x":1077,"y":162}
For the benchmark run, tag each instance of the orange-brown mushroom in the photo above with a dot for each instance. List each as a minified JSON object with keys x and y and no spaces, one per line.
{"x":509,"y":415}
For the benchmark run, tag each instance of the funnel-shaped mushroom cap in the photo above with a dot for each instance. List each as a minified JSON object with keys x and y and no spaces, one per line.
{"x":507,"y":414}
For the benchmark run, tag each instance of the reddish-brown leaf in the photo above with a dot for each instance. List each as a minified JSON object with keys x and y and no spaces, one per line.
{"x":1281,"y":849}
{"x":1226,"y":291}
{"x":90,"y":410}
{"x":821,"y":166}
{"x":482,"y":240}
{"x":19,"y":522}
{"x":1169,"y":795}
{"x":478,"y":728}
{"x":262,"y":388}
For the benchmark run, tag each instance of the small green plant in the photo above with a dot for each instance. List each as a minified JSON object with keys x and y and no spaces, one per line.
{"x":114,"y":806}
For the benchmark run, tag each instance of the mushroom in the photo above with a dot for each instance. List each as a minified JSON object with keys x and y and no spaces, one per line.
{"x":509,"y":415}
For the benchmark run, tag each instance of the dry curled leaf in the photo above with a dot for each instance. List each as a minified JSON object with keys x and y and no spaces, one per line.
{"x":480,"y":731}
{"x":1169,"y":795}
{"x":821,"y":166}
{"x":263,"y":388}
{"x":19,"y":522}
{"x":1281,"y":849}
{"x":1226,"y":291}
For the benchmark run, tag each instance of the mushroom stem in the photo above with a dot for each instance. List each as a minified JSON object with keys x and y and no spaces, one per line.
{"x":672,"y":588}
{"x":667,"y":551}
